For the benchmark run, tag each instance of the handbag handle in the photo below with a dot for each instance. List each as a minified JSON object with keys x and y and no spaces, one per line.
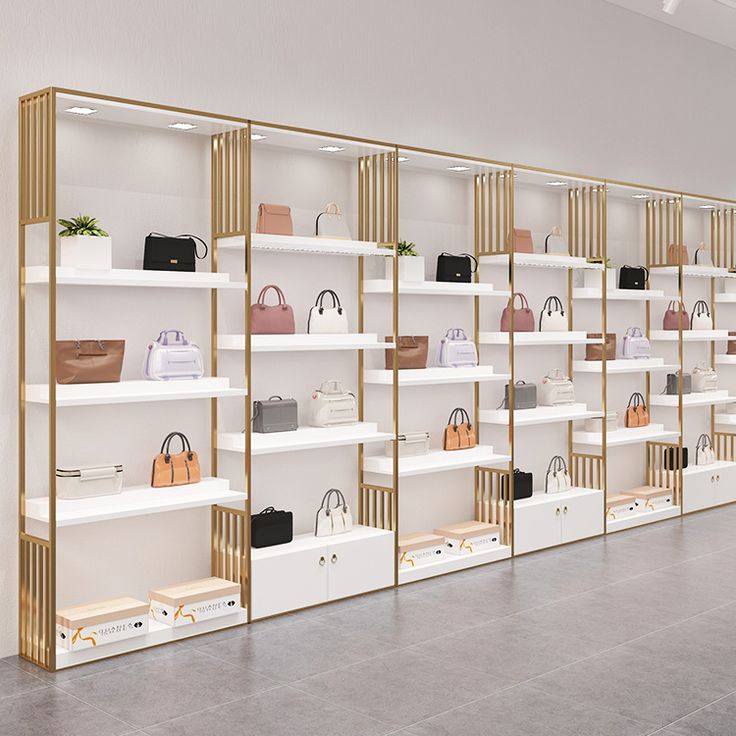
{"x":634,"y":332}
{"x":185,"y":446}
{"x":163,"y":337}
{"x":551,"y":304}
{"x":701,"y":307}
{"x":556,"y":374}
{"x":636,"y":400}
{"x":524,"y":302}
{"x":556,"y":465}
{"x":332,"y":208}
{"x":463,"y":416}
{"x":456,"y":333}
{"x":643,"y":268}
{"x":186,"y":235}
{"x":262,"y":296}
{"x":555,"y":233}
{"x":704,"y":441}
{"x":673,"y":303}
{"x":333,"y":386}
{"x":473,"y":268}
{"x":335,"y":301}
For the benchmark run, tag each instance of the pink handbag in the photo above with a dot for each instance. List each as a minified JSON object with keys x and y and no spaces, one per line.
{"x":671,"y":321}
{"x":523,"y":317}
{"x":274,"y":219}
{"x":522,"y":241}
{"x":276,"y":319}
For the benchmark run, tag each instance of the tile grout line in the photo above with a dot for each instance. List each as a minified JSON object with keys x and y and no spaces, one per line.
{"x":697,"y":710}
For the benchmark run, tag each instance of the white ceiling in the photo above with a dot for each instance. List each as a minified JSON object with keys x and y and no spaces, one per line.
{"x":709,"y":19}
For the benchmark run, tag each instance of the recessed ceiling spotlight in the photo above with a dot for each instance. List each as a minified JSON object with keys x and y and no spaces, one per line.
{"x":402,"y":159}
{"x":331,"y":149}
{"x":257,"y":137}
{"x":640,"y":196}
{"x":707,"y":206}
{"x":670,"y":6}
{"x":76,"y":110}
{"x":556,"y":183}
{"x":182,"y":126}
{"x":458,"y":168}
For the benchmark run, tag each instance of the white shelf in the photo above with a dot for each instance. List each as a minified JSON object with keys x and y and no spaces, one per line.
{"x":302,"y":342}
{"x":724,"y":359}
{"x":304,"y":438}
{"x":432,"y":288}
{"x":435,"y":376}
{"x":695,"y":271}
{"x":542,"y":260}
{"x":625,"y":436}
{"x":729,"y":419}
{"x":134,"y":501}
{"x":452,"y":563}
{"x":132,"y":277}
{"x":158,"y":633}
{"x":124,"y":392}
{"x":540,"y":498}
{"x":698,"y":469}
{"x":540,"y":415}
{"x":641,"y":365}
{"x":620,"y":295}
{"x":706,"y":398}
{"x":435,"y":461}
{"x":523,"y":339}
{"x":688,"y":335}
{"x":642,"y":517}
{"x":726,"y":297}
{"x":304,"y":244}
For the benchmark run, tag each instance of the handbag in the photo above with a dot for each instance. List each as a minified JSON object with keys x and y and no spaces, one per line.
{"x":634,"y":345}
{"x":523,"y":316}
{"x":274,"y":219}
{"x":673,"y":384}
{"x":523,"y":485}
{"x":556,"y":389}
{"x":557,"y":479}
{"x":335,"y":519}
{"x":702,"y":257}
{"x":175,"y":470}
{"x":552,"y":317}
{"x":168,"y":359}
{"x":410,"y":444}
{"x":330,"y":223}
{"x":731,"y":347}
{"x":330,"y":406}
{"x":677,"y":254}
{"x":525,"y":395}
{"x":271,"y":527}
{"x":89,"y":482}
{"x":456,"y":269}
{"x":594,"y":351}
{"x":456,"y":350}
{"x":633,"y":277}
{"x":458,"y":435}
{"x":670,"y":458}
{"x":275,"y":415}
{"x":271,"y":319}
{"x":555,"y":243}
{"x":671,"y":320}
{"x":705,"y":454}
{"x":637,"y":414}
{"x":327,"y":320}
{"x":704,"y":378}
{"x":522,"y":241}
{"x":171,"y":252}
{"x":412,"y":351}
{"x":89,"y":361}
{"x":701,"y":318}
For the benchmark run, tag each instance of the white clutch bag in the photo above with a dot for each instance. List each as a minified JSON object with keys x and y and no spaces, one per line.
{"x":333,"y":515}
{"x":331,"y":223}
{"x":704,"y":379}
{"x":556,"y":389}
{"x":103,"y":480}
{"x":330,"y":405}
{"x":327,"y":320}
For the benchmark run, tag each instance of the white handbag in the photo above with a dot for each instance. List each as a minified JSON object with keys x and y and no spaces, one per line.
{"x":704,"y":452}
{"x":557,"y":479}
{"x":634,"y":345}
{"x":331,"y":223}
{"x":556,"y":389}
{"x":556,"y":243}
{"x":701,"y":318}
{"x":456,"y":350}
{"x":327,"y":320}
{"x":704,"y":379}
{"x":333,"y":519}
{"x":330,"y":405}
{"x":172,"y":359}
{"x":552,"y":318}
{"x":702,"y":256}
{"x":89,"y":482}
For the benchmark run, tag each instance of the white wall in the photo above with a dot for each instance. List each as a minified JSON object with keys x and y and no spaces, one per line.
{"x":575,"y":84}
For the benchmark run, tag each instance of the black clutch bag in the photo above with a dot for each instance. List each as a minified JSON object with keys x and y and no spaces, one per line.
{"x":633,"y":277}
{"x":271,"y":527}
{"x":457,"y":269}
{"x":167,"y":253}
{"x":670,"y":458}
{"x":523,"y":485}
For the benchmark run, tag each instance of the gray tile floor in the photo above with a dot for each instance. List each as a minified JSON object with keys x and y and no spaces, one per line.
{"x":633,"y":634}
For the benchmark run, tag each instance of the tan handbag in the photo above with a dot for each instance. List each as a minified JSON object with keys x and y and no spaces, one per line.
{"x":522,"y":241}
{"x":595,"y":350}
{"x":731,"y":343}
{"x":89,"y":361}
{"x":175,"y":470}
{"x":412,"y":352}
{"x":459,"y":433}
{"x":637,"y":414}
{"x":274,"y":219}
{"x":675,"y":252}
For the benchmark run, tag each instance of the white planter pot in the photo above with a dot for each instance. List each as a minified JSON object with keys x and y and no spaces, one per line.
{"x":592,"y":279}
{"x":411,"y":268}
{"x":86,"y":251}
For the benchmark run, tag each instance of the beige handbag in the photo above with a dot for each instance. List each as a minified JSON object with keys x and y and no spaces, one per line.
{"x":274,"y":219}
{"x":179,"y":469}
{"x":675,"y":253}
{"x":412,"y":350}
{"x":459,"y":433}
{"x":89,"y":361}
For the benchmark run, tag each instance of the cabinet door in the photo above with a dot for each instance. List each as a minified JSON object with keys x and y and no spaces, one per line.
{"x":284,"y":582}
{"x":699,"y":491}
{"x":537,"y":526}
{"x":725,"y":485}
{"x":360,"y":565}
{"x":582,"y":516}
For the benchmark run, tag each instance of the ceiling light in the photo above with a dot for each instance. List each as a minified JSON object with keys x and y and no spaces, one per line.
{"x":402,"y":159}
{"x":331,"y":149}
{"x":257,"y":137}
{"x":670,"y":6}
{"x":81,"y":110}
{"x":640,"y":196}
{"x":182,"y":126}
{"x":556,"y":183}
{"x":707,"y":206}
{"x":458,"y":168}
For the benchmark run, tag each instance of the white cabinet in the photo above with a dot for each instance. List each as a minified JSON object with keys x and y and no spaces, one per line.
{"x":708,"y":485}
{"x":545,"y":520}
{"x":312,"y":570}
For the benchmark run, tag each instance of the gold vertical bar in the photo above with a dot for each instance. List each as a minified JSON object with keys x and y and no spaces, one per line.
{"x":361,"y":177}
{"x":732,"y":260}
{"x":589,"y":253}
{"x":482,"y":233}
{"x":661,"y":217}
{"x":246,"y":199}
{"x":226,"y":195}
{"x":667,"y":218}
{"x":499,"y":245}
{"x":374,"y":189}
{"x":34,"y":159}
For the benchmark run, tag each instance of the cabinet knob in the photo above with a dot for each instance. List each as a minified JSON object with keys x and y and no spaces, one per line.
{"x":557,"y":511}
{"x":322,"y":561}
{"x":333,"y":559}
{"x":718,"y":478}
{"x":712,"y":478}
{"x":565,"y":509}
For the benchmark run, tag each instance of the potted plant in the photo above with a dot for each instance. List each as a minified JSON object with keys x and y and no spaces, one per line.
{"x":84,"y":244}
{"x":411,"y":264}
{"x":592,"y":278}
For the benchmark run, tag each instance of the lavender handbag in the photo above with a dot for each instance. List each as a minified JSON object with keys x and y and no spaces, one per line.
{"x":172,"y":358}
{"x":271,"y":319}
{"x":456,"y":350}
{"x":635,"y":345}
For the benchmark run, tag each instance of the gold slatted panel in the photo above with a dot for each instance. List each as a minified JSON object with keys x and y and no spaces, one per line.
{"x":659,"y":476}
{"x":37,"y":630}
{"x":663,"y":228}
{"x":229,"y":544}
{"x":35,"y":144}
{"x":228,"y":183}
{"x":586,"y":471}
{"x":585,"y":221}
{"x":723,"y":237}
{"x":376,"y":201}
{"x":491,"y":503}
{"x":493,"y":212}
{"x":725,"y":446}
{"x":376,"y":506}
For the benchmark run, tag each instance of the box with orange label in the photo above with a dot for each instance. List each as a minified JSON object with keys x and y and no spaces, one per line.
{"x":649,"y":498}
{"x":470,"y":536}
{"x":420,"y":548}
{"x":97,"y":624}
{"x":198,"y":600}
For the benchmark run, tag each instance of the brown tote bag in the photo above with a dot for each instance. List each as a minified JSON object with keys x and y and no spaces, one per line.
{"x":637,"y":414}
{"x":459,"y":433}
{"x":274,"y":219}
{"x":595,"y":350}
{"x":674,"y":252}
{"x":89,"y":361}
{"x":522,"y":241}
{"x":731,"y":343}
{"x":412,"y":352}
{"x":178,"y":469}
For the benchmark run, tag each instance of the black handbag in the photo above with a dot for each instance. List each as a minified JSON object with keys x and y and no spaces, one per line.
{"x":167,"y":253}
{"x":271,"y":527}
{"x":633,"y":277}
{"x":523,"y":485}
{"x":670,"y":458}
{"x":456,"y":269}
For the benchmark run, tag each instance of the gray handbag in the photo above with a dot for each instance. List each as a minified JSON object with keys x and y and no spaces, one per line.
{"x":673,"y":386}
{"x":275,"y":415}
{"x":525,"y":395}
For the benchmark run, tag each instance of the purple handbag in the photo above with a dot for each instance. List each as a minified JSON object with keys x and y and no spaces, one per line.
{"x":174,"y":358}
{"x":271,"y":319}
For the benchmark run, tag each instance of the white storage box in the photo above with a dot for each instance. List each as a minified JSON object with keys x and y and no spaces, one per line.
{"x":410,"y":444}
{"x":470,"y":536}
{"x":649,"y":498}
{"x":97,"y":624}
{"x":595,"y":424}
{"x":198,"y":600}
{"x":102,"y":480}
{"x":420,"y":548}
{"x":620,"y":506}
